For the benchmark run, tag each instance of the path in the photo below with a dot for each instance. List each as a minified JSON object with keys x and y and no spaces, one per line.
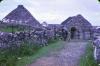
{"x":68,"y":56}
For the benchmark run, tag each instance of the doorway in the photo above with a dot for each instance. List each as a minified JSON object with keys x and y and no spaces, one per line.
{"x":73,"y":31}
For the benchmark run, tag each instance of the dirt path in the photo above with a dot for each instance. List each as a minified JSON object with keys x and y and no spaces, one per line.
{"x":68,"y":56}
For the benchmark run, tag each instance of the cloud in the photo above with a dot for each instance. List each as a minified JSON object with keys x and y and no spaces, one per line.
{"x":3,"y":14}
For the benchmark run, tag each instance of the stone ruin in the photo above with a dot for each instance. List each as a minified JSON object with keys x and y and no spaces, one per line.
{"x":21,"y":15}
{"x":78,"y":27}
{"x":37,"y":37}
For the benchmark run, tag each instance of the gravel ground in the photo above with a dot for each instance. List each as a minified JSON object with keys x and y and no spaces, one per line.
{"x":69,"y":55}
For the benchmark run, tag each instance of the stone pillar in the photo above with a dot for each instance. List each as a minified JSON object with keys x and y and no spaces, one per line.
{"x":83,"y":35}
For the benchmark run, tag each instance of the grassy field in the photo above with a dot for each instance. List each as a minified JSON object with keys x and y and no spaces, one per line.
{"x":10,"y":29}
{"x":42,"y":52}
{"x":87,"y":59}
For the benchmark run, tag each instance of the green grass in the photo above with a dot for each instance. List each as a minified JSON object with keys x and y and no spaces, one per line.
{"x":87,"y":59}
{"x":9,"y":29}
{"x":26,"y":53}
{"x":42,"y":52}
{"x":9,"y":56}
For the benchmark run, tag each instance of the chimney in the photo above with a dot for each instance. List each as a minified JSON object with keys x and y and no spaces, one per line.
{"x":20,"y":6}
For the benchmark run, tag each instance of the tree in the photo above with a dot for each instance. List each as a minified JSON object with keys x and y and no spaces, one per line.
{"x":99,"y":0}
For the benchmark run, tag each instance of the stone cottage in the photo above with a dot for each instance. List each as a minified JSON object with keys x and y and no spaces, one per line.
{"x":21,"y":15}
{"x":78,"y":27}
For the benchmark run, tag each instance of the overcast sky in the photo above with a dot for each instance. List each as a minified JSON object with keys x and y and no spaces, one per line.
{"x":55,"y":11}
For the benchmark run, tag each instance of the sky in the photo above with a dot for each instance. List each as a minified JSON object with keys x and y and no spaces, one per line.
{"x":55,"y":11}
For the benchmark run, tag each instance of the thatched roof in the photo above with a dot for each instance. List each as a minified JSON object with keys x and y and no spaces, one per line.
{"x":78,"y":20}
{"x":22,"y":16}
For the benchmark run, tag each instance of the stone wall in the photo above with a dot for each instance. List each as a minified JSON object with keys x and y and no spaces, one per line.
{"x":40,"y":38}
